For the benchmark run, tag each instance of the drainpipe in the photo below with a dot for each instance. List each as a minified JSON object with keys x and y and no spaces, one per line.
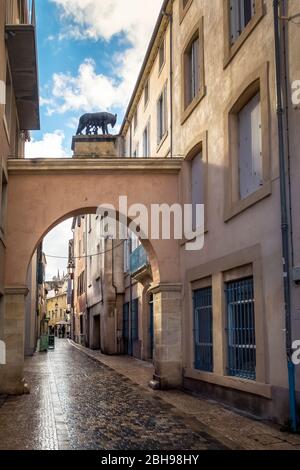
{"x":170,"y":16}
{"x":284,"y":220}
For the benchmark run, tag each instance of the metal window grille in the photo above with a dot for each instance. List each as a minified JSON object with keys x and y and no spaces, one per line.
{"x":203,"y":329}
{"x":126,"y":321}
{"x":241,"y":329}
{"x":134,"y":320}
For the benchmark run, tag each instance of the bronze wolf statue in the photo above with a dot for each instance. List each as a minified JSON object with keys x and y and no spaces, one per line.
{"x":94,"y":121}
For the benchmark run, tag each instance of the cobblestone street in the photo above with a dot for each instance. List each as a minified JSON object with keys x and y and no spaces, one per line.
{"x":79,"y":403}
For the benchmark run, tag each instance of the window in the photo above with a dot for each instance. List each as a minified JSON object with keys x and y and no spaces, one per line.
{"x":240,"y":19}
{"x":135,"y":120}
{"x":135,"y":320}
{"x":162,"y":115}
{"x":3,"y":201}
{"x":241,"y":329}
{"x":80,"y":284}
{"x":248,"y":166}
{"x":198,"y":184}
{"x":250,"y":147}
{"x":192,"y":72}
{"x":241,"y":12}
{"x":161,"y":54}
{"x":146,"y":141}
{"x":146,"y":93}
{"x":203,"y":329}
{"x":193,"y":87}
{"x":8,"y":99}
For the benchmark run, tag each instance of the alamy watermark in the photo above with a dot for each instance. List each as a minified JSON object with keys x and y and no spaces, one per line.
{"x":160,"y":222}
{"x":296,"y":354}
{"x":296,"y":92}
{"x":2,"y":353}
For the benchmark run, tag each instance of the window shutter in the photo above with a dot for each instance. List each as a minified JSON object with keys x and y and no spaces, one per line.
{"x":256,"y":143}
{"x":197,"y":65}
{"x":250,"y":147}
{"x":158,"y":121}
{"x":148,"y":143}
{"x":234,"y":21}
{"x":165,"y":110}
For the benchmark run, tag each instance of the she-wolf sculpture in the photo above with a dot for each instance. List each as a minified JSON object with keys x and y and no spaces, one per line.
{"x":94,"y":121}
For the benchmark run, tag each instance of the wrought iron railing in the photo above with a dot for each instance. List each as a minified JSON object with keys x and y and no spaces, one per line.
{"x":138,"y":259}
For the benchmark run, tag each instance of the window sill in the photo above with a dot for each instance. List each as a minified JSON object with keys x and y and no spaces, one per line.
{"x":231,"y":51}
{"x":243,"y":204}
{"x":244,"y":385}
{"x":163,"y":139}
{"x":191,"y":107}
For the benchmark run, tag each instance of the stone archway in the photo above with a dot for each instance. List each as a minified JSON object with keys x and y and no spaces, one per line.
{"x":43,"y":193}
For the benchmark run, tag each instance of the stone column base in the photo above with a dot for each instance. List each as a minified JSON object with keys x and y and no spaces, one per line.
{"x":12,"y":374}
{"x":167,"y":336}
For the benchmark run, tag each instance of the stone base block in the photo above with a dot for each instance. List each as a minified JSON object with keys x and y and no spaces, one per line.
{"x":96,"y":146}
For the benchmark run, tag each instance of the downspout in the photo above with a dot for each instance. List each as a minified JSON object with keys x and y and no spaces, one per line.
{"x":116,"y":295}
{"x":170,"y":16}
{"x":285,"y":229}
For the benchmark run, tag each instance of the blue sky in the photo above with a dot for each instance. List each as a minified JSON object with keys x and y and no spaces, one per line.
{"x":90,"y":53}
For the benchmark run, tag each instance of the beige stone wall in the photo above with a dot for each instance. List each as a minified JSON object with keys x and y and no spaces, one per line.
{"x":31,"y":309}
{"x":148,"y":114}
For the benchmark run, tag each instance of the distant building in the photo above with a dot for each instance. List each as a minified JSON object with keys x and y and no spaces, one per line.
{"x":35,"y":308}
{"x":57,"y":309}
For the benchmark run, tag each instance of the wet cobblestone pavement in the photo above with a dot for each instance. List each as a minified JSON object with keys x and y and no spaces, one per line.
{"x":78,"y":403}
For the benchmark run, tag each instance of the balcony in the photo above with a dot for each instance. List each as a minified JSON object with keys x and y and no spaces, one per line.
{"x":138,"y":261}
{"x":22,"y":53}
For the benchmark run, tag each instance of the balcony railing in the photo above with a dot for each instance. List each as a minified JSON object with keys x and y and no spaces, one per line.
{"x":138,"y":259}
{"x":22,"y":53}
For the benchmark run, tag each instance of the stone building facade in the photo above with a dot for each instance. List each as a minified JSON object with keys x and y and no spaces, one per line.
{"x":220,"y":115}
{"x":18,"y":115}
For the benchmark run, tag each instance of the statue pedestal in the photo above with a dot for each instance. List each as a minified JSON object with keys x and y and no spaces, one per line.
{"x":97,"y":146}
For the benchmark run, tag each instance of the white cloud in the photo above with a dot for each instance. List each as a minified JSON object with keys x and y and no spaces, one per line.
{"x":88,"y":90}
{"x":56,"y":244}
{"x":51,"y":146}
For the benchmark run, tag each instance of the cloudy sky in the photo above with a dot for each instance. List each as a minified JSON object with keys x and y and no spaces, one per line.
{"x":90,"y":53}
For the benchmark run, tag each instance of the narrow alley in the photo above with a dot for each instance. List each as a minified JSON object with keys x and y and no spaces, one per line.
{"x":78,"y":403}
